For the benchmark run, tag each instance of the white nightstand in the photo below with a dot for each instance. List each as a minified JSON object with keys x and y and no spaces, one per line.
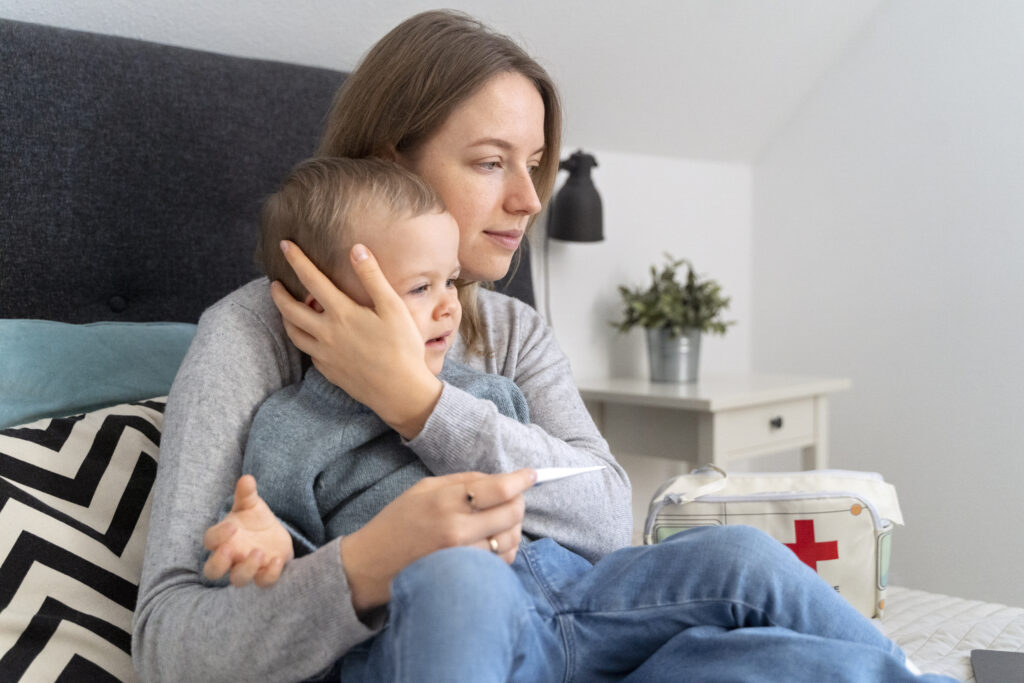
{"x":715,"y":419}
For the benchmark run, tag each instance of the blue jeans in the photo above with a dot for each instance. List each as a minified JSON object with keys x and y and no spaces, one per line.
{"x":709,"y":604}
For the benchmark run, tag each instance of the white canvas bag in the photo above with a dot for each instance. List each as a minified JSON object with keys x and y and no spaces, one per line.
{"x":839,"y":522}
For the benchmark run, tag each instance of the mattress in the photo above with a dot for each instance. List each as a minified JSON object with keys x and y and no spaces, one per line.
{"x":938,"y":632}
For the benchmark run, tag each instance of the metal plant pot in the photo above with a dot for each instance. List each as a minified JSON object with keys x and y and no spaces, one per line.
{"x":673,"y":359}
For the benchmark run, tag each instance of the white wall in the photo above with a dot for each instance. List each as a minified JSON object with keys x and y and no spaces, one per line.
{"x":889,"y":247}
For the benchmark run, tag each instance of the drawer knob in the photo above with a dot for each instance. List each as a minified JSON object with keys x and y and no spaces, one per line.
{"x":776,"y":422}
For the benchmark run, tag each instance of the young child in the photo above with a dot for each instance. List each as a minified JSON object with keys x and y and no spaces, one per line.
{"x":325,"y":463}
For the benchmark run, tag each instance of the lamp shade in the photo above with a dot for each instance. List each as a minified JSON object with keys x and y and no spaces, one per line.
{"x":576,"y":214}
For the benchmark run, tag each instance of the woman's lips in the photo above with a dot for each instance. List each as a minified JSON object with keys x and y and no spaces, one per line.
{"x":508,"y":239}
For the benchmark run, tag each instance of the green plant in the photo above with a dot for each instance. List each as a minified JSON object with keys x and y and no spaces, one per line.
{"x":667,"y":303}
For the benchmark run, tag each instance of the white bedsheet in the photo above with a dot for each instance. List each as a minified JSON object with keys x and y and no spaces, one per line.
{"x":938,"y":632}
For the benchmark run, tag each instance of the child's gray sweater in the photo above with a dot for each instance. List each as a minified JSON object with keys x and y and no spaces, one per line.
{"x":185,"y":630}
{"x":326,"y":464}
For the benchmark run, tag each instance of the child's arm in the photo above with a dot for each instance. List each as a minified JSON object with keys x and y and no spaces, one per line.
{"x":250,"y":542}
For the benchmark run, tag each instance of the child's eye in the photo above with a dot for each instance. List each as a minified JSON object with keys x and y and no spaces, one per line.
{"x":418,"y":290}
{"x":449,"y":283}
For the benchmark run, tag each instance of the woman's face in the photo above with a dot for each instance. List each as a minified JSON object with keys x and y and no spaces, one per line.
{"x":480,"y":162}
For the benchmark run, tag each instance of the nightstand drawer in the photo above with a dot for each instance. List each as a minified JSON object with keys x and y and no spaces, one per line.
{"x":765,"y":428}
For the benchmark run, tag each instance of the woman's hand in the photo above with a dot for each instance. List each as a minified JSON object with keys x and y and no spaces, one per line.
{"x":463,"y":509}
{"x":375,"y":354}
{"x":250,"y":542}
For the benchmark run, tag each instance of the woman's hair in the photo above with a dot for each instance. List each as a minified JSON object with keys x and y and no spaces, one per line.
{"x":410,"y":82}
{"x":319,"y":201}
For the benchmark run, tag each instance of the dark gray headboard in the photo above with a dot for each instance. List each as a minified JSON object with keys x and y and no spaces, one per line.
{"x":131,"y":173}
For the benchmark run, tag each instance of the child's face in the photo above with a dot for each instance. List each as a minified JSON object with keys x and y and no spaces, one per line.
{"x":419,"y":256}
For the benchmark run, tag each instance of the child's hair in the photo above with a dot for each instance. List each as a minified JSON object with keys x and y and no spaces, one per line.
{"x":322,"y":198}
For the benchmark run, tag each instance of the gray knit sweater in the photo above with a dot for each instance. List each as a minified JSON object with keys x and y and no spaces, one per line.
{"x":185,"y":630}
{"x":326,"y":464}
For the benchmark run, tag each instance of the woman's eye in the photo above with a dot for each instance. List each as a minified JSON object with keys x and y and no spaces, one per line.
{"x":489,"y":165}
{"x":532,"y":169}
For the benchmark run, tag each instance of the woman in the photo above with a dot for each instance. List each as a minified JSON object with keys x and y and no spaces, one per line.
{"x":392,"y":106}
{"x":480,"y":120}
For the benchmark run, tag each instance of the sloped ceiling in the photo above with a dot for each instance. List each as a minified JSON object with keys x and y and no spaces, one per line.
{"x":701,"y":79}
{"x":704,"y":79}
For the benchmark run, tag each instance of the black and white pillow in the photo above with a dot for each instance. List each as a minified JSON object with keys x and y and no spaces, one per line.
{"x":75,"y":494}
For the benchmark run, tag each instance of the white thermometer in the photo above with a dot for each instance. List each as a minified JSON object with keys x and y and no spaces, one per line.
{"x":545,"y":474}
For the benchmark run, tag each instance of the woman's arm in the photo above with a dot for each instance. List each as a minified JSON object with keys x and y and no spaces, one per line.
{"x":183,"y":629}
{"x":589,"y":514}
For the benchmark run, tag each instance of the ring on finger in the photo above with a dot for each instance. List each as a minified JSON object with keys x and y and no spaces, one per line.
{"x":493,"y":542}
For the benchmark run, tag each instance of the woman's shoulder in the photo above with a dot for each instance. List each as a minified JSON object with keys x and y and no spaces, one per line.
{"x":251,"y":300}
{"x":247,"y":325}
{"x":247,"y":310}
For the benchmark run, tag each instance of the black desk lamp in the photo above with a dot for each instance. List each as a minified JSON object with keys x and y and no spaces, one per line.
{"x":575,"y":214}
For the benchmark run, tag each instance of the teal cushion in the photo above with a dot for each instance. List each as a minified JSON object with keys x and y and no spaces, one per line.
{"x":49,"y":369}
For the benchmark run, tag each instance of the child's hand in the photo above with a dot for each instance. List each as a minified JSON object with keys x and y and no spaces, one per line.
{"x":249,"y":542}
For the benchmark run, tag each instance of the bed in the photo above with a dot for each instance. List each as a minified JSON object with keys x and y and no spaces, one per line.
{"x":938,"y":632}
{"x":131,"y":175}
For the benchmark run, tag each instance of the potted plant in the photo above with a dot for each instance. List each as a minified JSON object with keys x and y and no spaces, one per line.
{"x":674,"y":314}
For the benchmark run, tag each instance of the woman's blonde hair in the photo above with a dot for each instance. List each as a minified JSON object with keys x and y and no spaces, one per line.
{"x":322,"y":198}
{"x":410,"y":82}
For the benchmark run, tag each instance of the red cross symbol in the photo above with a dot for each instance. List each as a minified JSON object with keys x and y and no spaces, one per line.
{"x":810,"y":552}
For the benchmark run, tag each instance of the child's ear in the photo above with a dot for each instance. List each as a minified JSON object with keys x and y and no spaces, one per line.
{"x":313,"y":303}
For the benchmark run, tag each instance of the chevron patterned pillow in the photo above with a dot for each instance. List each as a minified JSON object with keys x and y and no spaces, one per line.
{"x":75,"y":494}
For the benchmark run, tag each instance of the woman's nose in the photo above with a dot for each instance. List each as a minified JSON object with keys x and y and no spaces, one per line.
{"x":522,"y":195}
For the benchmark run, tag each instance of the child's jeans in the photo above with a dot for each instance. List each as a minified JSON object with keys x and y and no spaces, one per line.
{"x":709,"y":604}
